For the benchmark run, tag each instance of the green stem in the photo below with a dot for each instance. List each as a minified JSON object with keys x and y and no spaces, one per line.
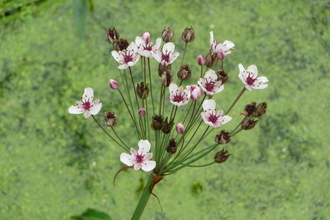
{"x":143,"y":201}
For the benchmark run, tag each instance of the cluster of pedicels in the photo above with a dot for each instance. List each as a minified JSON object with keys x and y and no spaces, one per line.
{"x":179,"y":147}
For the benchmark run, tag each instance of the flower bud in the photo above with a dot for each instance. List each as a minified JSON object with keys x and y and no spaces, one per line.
{"x":112,"y":35}
{"x":168,"y":34}
{"x":122,"y":44}
{"x":184,"y":72}
{"x":180,"y":128}
{"x":195,"y":91}
{"x":113,"y":84}
{"x":146,"y":37}
{"x":223,"y":137}
{"x":248,"y":123}
{"x":201,"y":60}
{"x":110,"y":119}
{"x":142,"y":111}
{"x":188,"y":35}
{"x":171,"y":146}
{"x":221,"y":54}
{"x":157,"y":122}
{"x":221,"y":156}
{"x":142,"y":90}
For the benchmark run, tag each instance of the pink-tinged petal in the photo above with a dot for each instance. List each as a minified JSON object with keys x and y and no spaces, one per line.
{"x":139,"y":41}
{"x":137,"y":166}
{"x":144,"y":146}
{"x":225,"y":119}
{"x":124,"y":66}
{"x":76,"y":110}
{"x":116,"y":56}
{"x":209,"y":104}
{"x":157,"y":55}
{"x":168,"y":47}
{"x":148,"y":166}
{"x":147,"y":156}
{"x":253,"y":69}
{"x":126,"y":159}
{"x":263,"y":79}
{"x":158,"y":42}
{"x":210,"y":74}
{"x":87,"y":114}
{"x":96,"y":109}
{"x":211,"y":38}
{"x":88,"y":94}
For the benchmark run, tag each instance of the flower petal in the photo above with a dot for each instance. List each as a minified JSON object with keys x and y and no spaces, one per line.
{"x":126,"y":159}
{"x":75,"y":110}
{"x":209,"y":104}
{"x":148,"y":166}
{"x":144,"y":146}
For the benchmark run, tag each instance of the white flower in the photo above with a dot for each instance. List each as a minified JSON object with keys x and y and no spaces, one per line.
{"x":167,"y":55}
{"x":210,"y":84}
{"x":139,"y":159}
{"x":250,"y":78}
{"x":86,"y":105}
{"x":225,"y":46}
{"x":127,"y":57}
{"x":212,"y":117}
{"x":145,"y":48}
{"x":178,"y":96}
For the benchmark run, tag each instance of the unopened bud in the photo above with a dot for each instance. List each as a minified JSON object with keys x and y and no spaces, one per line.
{"x":142,"y":90}
{"x":223,"y":137}
{"x":201,"y":60}
{"x":180,"y":128}
{"x":142,"y":111}
{"x":221,"y":156}
{"x":184,"y":72}
{"x":146,"y":37}
{"x":195,"y":91}
{"x":110,"y":119}
{"x":188,"y":35}
{"x":221,"y":54}
{"x":249,"y":109}
{"x":113,"y":84}
{"x":112,"y":35}
{"x":171,"y":146}
{"x":168,"y":34}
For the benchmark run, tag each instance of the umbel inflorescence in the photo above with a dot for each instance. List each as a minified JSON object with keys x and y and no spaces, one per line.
{"x":170,"y":116}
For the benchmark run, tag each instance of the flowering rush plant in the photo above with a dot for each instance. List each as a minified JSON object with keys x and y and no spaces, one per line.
{"x":172,"y":115}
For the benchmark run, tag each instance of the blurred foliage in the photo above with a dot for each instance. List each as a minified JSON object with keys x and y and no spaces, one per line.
{"x":55,"y":165}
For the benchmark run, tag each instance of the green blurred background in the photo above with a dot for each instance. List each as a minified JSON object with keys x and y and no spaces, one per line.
{"x":54,"y":165}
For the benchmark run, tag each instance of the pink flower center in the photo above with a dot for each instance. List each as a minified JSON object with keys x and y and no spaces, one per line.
{"x":250,"y":80}
{"x":209,"y":86}
{"x":128,"y":58}
{"x":178,"y":98}
{"x":87,"y":105}
{"x":166,"y":57}
{"x":213,"y":118}
{"x":139,"y":158}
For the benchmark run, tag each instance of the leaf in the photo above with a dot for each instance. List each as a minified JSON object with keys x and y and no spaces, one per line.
{"x":92,"y":214}
{"x":80,"y":13}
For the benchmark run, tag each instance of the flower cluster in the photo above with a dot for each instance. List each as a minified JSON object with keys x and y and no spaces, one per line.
{"x":155,"y":109}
